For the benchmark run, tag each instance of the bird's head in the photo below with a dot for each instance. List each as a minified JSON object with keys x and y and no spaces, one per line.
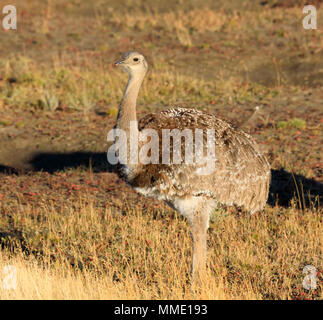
{"x":133,"y":63}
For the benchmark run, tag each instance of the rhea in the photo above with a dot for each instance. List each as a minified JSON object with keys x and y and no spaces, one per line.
{"x":241,"y":174}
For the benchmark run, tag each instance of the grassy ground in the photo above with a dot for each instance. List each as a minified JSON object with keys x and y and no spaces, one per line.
{"x":74,"y":230}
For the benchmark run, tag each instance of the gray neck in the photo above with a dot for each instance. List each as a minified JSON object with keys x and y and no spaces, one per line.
{"x":127,"y":109}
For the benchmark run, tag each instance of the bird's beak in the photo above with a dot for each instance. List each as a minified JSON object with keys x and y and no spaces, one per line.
{"x":118,"y":63}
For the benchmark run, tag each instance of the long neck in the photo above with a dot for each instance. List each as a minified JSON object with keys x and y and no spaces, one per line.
{"x":127,"y":109}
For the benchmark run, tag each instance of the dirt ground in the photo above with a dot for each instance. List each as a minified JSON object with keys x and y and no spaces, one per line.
{"x":53,"y":150}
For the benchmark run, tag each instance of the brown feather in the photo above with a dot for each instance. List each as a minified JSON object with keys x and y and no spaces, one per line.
{"x":241,"y":176}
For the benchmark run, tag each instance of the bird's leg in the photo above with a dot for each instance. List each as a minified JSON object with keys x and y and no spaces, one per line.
{"x":200,"y":224}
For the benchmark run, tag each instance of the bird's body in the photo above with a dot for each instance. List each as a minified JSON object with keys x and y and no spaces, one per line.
{"x":240,"y":176}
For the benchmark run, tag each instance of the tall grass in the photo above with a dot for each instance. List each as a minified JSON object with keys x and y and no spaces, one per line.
{"x":81,"y":252}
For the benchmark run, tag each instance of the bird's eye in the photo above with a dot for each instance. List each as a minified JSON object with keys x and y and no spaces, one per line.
{"x":135,"y":59}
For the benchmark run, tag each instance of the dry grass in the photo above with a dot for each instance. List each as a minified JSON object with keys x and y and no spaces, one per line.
{"x":78,"y":234}
{"x":83,"y":253}
{"x":27,"y":86}
{"x":81,"y":88}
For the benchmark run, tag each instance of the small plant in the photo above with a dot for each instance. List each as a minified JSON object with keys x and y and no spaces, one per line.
{"x":183,"y":35}
{"x":298,"y":123}
{"x":282,"y":124}
{"x":205,"y":46}
{"x":292,"y":123}
{"x":112,"y":112}
{"x":49,"y":101}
